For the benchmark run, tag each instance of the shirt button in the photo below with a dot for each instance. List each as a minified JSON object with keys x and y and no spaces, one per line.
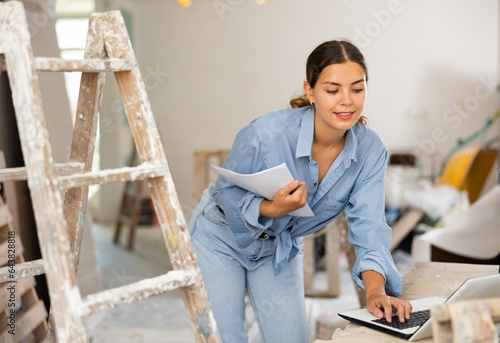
{"x":264,"y":236}
{"x":315,"y":184}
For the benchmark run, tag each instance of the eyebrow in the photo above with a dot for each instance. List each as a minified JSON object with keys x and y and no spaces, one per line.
{"x":338,"y":84}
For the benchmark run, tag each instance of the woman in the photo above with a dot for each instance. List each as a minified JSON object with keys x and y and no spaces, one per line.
{"x":243,"y":241}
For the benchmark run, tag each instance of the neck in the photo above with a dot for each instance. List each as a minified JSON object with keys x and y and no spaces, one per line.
{"x":330,"y":141}
{"x":328,"y":138}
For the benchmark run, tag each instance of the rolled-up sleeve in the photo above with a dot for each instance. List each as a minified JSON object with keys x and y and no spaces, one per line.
{"x":242,"y":208}
{"x":368,"y":231}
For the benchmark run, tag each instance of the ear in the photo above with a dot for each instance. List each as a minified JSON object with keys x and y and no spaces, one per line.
{"x":309,"y":91}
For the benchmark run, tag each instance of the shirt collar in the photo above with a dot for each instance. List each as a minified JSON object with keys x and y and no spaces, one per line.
{"x":351,"y":145}
{"x":306,"y":135}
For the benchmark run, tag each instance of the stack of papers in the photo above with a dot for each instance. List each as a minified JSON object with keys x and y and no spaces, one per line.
{"x":265,"y":183}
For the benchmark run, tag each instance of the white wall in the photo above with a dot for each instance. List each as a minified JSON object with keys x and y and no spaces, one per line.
{"x":211,"y":68}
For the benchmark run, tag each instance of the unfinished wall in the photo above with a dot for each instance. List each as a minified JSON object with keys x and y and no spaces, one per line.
{"x":212,"y":68}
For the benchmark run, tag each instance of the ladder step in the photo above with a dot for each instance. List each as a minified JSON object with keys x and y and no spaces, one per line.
{"x":85,"y":65}
{"x":19,"y":174}
{"x":125,"y":174}
{"x":136,"y":291}
{"x":22,"y":270}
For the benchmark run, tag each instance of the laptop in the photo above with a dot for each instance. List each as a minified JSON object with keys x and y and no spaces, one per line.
{"x":419,"y":325}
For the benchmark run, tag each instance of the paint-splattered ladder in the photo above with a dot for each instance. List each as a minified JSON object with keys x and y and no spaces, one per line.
{"x":60,"y":225}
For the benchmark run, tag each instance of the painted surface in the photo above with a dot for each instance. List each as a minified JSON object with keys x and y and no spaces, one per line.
{"x":61,"y":250}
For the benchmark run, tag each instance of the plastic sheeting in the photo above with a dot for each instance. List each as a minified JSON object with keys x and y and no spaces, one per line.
{"x":475,"y":233}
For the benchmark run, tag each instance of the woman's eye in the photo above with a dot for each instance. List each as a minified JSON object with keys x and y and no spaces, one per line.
{"x":332,"y":92}
{"x":358,"y":90}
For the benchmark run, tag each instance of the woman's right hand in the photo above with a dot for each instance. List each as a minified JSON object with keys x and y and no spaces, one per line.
{"x":285,"y":201}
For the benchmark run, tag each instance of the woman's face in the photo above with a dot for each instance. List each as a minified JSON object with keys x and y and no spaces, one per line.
{"x":339,"y":95}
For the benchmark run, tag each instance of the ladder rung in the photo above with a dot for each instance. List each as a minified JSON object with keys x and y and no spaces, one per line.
{"x":141,"y":172}
{"x":23,"y":270}
{"x":143,"y":289}
{"x":19,"y":174}
{"x":84,"y":65}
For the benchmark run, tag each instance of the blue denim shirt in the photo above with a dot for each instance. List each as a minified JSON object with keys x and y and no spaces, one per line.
{"x":354,"y":184}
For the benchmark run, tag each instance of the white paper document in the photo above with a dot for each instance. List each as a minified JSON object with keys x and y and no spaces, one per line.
{"x":265,"y":183}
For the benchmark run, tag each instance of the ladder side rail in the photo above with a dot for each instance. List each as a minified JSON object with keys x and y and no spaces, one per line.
{"x":82,"y":149}
{"x":46,"y":200}
{"x":136,"y":212}
{"x":167,"y":206}
{"x":84,"y":134}
{"x":125,"y":199}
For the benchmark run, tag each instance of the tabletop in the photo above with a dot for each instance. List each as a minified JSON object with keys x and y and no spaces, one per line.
{"x":426,"y":279}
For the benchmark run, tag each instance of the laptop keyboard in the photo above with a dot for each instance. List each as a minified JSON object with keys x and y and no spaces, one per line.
{"x":416,"y":319}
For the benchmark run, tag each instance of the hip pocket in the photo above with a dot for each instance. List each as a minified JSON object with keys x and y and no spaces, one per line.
{"x":214,"y":215}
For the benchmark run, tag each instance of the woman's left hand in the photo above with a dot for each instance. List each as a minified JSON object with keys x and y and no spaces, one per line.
{"x":380,"y":304}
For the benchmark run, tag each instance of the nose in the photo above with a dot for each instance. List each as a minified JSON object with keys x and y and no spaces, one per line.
{"x":346,"y":98}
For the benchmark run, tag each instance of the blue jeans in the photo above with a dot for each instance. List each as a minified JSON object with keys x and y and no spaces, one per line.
{"x":277,"y":301}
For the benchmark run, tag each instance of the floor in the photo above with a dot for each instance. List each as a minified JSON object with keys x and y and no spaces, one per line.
{"x":163,"y":318}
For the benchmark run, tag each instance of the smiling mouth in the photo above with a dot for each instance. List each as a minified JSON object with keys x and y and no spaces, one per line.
{"x":344,"y":114}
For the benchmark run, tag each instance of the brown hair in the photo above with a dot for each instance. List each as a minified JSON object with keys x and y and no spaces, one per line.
{"x":328,"y":53}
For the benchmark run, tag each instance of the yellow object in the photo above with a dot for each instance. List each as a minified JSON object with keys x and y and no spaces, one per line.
{"x":468,"y":170}
{"x":184,"y":3}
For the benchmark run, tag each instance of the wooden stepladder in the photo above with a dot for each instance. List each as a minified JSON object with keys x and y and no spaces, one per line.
{"x":60,"y":224}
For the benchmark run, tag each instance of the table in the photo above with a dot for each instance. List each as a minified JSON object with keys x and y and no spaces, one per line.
{"x":426,"y":279}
